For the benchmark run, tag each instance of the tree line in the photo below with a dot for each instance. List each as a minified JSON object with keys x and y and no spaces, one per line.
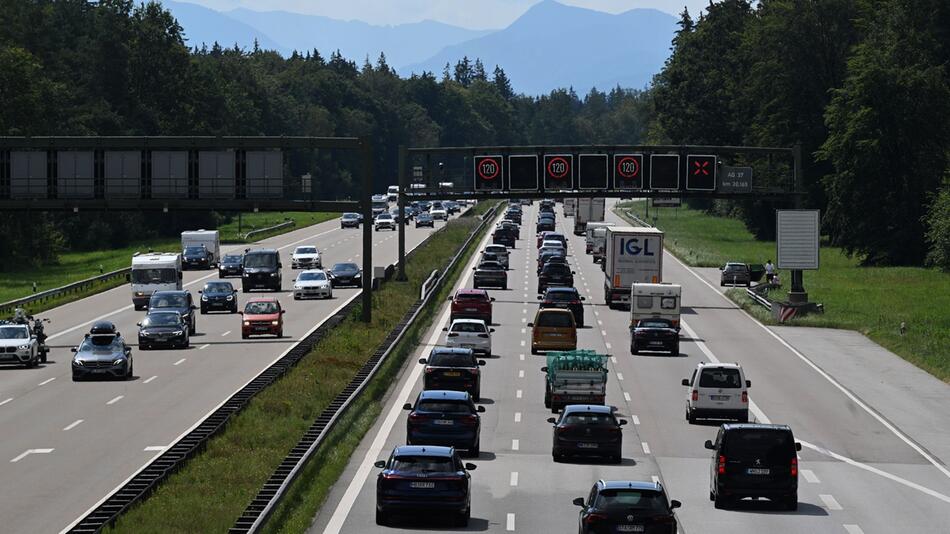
{"x":863,"y":85}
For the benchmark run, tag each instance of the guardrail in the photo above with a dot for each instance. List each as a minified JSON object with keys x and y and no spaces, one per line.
{"x":425,"y":285}
{"x":286,"y":224}
{"x":269,"y":497}
{"x":759,"y":299}
{"x":74,"y":287}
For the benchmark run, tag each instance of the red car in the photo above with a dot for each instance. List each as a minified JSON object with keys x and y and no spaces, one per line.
{"x":472,"y":304}
{"x":262,"y":316}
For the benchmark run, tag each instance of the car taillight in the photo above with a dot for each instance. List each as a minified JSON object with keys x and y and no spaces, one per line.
{"x":745,"y":397}
{"x":695,"y":395}
{"x":483,"y":335}
{"x":429,"y":370}
{"x":470,"y":420}
{"x":565,"y":428}
{"x":594,"y":518}
{"x":452,"y":334}
{"x":722,"y":465}
{"x":794,"y":469}
{"x":574,"y":302}
{"x":473,"y":371}
{"x":416,"y":418}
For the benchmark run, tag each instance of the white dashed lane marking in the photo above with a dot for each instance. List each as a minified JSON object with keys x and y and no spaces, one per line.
{"x":646,"y":447}
{"x":179,"y":362}
{"x":150,"y":379}
{"x":47,"y":381}
{"x":510,"y":523}
{"x":515,"y":445}
{"x":73,"y":425}
{"x":115,"y":400}
{"x":6,"y":401}
{"x":29,"y":452}
{"x":809,"y":475}
{"x":830,"y":502}
{"x":517,"y":417}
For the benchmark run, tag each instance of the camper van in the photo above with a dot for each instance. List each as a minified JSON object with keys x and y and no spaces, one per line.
{"x":655,"y":301}
{"x":151,"y":272}
{"x":392,"y":193}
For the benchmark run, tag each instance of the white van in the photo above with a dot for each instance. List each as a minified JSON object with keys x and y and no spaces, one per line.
{"x":151,"y":272}
{"x":392,"y":193}
{"x":717,"y":391}
{"x":655,"y":301}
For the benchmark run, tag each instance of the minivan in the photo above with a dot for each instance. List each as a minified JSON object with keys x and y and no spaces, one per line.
{"x":553,"y":329}
{"x":261,"y":270}
{"x":754,"y":460}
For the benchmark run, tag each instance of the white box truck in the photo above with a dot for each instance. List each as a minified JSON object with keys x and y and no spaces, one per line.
{"x":633,"y":254}
{"x":570,"y":207}
{"x":588,"y":210}
{"x":209,"y":239}
{"x":595,"y":239}
{"x":151,"y":272}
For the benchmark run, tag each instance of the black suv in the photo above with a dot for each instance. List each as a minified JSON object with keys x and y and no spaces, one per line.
{"x":261,"y":270}
{"x":230,"y":265}
{"x":754,"y":460}
{"x":196,"y":257}
{"x":178,"y":301}
{"x":564,"y":297}
{"x":626,"y":506}
{"x":555,"y":274}
{"x":587,"y":430}
{"x":503,"y":236}
{"x":218,"y":295}
{"x":454,"y":369}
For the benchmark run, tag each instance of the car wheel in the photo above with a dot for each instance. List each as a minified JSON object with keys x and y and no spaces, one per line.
{"x":791,"y":502}
{"x":75,"y":377}
{"x":691,"y":417}
{"x":296,"y":297}
{"x":243,"y":335}
{"x":477,"y":396}
{"x":243,"y":289}
{"x":634,"y":350}
{"x":381,"y":518}
{"x":504,"y":287}
{"x":204,"y":310}
{"x":129,"y":373}
{"x":711,"y":496}
{"x":463,"y":518}
{"x":616,"y":459}
{"x":720,"y":502}
{"x":43,"y":358}
{"x":743,"y":418}
{"x":676,"y":350}
{"x":280,"y":333}
{"x":477,"y":449}
{"x":534,"y":351}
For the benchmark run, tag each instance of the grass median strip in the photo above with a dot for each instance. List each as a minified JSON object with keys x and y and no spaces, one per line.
{"x":211,"y":490}
{"x":232,"y":232}
{"x":871,"y":300}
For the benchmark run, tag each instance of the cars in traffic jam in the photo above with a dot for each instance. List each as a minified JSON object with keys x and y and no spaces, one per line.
{"x":567,"y":298}
{"x":261,"y":270}
{"x":587,"y":430}
{"x":471,"y":304}
{"x":163,"y":329}
{"x":196,"y":257}
{"x":18,"y":346}
{"x":313,"y":283}
{"x":384,"y":221}
{"x":655,"y":335}
{"x":102,"y":353}
{"x":754,"y":460}
{"x":306,"y":257}
{"x":345,"y":274}
{"x":176,"y":301}
{"x":350,"y":220}
{"x":262,"y":316}
{"x":231,"y":265}
{"x":491,"y":274}
{"x":424,"y":220}
{"x":470,"y":334}
{"x":453,"y":369}
{"x":218,"y":295}
{"x":626,"y":506}
{"x":445,"y":417}
{"x":717,"y":391}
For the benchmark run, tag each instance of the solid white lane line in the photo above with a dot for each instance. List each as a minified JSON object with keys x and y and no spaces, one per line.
{"x":510,"y":523}
{"x":513,"y":481}
{"x":636,"y":420}
{"x":206,"y":345}
{"x":853,"y":529}
{"x":646,"y":447}
{"x":830,"y":502}
{"x":73,"y":425}
{"x":626,"y":396}
{"x":115,"y":400}
{"x":521,"y":373}
{"x":47,"y":381}
{"x":29,"y":452}
{"x":619,"y":376}
{"x":515,"y":444}
{"x":518,"y":394}
{"x":809,"y":476}
{"x":228,"y":332}
{"x":153,"y":377}
{"x":179,"y":362}
{"x":153,"y":448}
{"x":517,"y":417}
{"x":6,"y":401}
{"x":827,"y":377}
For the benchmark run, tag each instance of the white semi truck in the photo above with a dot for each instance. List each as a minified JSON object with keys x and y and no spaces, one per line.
{"x":595,"y":239}
{"x":588,"y":210}
{"x":570,"y":207}
{"x":151,"y":272}
{"x":633,"y":254}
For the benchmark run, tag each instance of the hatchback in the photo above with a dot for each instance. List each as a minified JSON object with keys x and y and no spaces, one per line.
{"x":446,"y":418}
{"x":471,"y":304}
{"x":470,"y":334}
{"x":553,"y":329}
{"x":567,"y":298}
{"x":587,"y":430}
{"x":754,"y":460}
{"x":453,"y":369}
{"x":626,"y":506}
{"x":262,"y":316}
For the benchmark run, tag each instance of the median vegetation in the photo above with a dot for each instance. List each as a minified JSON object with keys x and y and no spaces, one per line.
{"x":871,"y":300}
{"x":236,"y":227}
{"x":213,"y":489}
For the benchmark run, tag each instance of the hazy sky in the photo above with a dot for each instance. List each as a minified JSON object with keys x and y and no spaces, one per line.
{"x":480,"y":14}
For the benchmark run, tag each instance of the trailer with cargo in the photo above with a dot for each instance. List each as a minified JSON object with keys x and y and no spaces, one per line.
{"x":632,"y":254}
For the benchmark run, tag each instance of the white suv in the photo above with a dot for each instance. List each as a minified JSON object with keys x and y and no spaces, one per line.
{"x":501,"y":251}
{"x":717,"y":391}
{"x":469,"y":334}
{"x":384,"y":220}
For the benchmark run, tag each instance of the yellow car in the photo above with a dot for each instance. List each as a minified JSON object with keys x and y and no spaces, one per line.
{"x":553,"y":329}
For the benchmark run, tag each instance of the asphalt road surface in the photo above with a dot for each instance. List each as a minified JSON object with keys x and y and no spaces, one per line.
{"x":861,"y":471}
{"x":66,"y":445}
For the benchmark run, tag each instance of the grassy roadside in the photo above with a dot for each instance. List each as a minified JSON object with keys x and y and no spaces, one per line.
{"x":211,"y":491}
{"x":253,"y":221}
{"x":870,"y":300}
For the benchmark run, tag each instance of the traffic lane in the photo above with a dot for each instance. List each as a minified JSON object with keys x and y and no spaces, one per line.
{"x":187,"y":383}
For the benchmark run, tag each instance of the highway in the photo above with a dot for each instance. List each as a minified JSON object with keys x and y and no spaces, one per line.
{"x":67,"y":445}
{"x":874,"y":432}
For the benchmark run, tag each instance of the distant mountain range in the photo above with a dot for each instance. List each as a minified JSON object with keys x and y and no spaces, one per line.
{"x":552,"y":45}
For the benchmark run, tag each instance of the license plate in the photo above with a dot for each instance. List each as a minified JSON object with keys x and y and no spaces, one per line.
{"x":98,"y":371}
{"x":656,"y":343}
{"x":758,"y":471}
{"x":719,"y":397}
{"x":630,"y":528}
{"x":444,"y":422}
{"x":261,"y":329}
{"x":556,"y":335}
{"x":422,"y":485}
{"x":586,"y":445}
{"x":471,"y":309}
{"x":452,"y":373}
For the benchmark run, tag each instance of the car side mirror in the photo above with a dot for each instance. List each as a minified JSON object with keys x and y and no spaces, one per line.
{"x":200,"y":291}
{"x":573,"y":272}
{"x":423,"y":360}
{"x":445,"y":329}
{"x":544,"y":369}
{"x":709,"y":445}
{"x":279,"y":265}
{"x":240,"y":313}
{"x":583,"y":298}
{"x":407,"y":406}
{"x":128,"y":350}
{"x":579,"y":502}
{"x":552,"y":420}
{"x":491,"y":329}
{"x":622,"y":422}
{"x":675,"y":504}
{"x":380,"y":464}
{"x":539,"y":297}
{"x":480,"y":409}
{"x":449,"y":297}
{"x":798,"y":446}
{"x":720,"y":267}
{"x":470,"y":467}
{"x":481,"y":363}
{"x":294,"y":280}
{"x":74,"y":349}
{"x":748,"y":383}
{"x":283,"y":312}
{"x":138,"y":324}
{"x":530,"y":325}
{"x":685,"y":382}
{"x":474,"y":268}
{"x":493,"y":299}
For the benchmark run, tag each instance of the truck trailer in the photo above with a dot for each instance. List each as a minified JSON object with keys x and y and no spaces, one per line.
{"x":632,"y":254}
{"x":574,"y":377}
{"x":588,"y":210}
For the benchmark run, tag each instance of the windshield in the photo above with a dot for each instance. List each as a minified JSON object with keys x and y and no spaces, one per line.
{"x":384,"y":217}
{"x":100,"y":341}
{"x":449,"y":359}
{"x":560,"y":269}
{"x":311,"y":276}
{"x":774,"y":446}
{"x":14,"y":332}
{"x":260,"y":260}
{"x":491,"y":266}
{"x":345,"y":267}
{"x":232,"y":258}
{"x":161,"y":319}
{"x":556,"y":320}
{"x":469,"y":327}
{"x":625,"y":499}
{"x":423,"y":464}
{"x":261,"y":308}
{"x":582,"y":418}
{"x":168,"y":301}
{"x":195,"y":250}
{"x":216,"y":288}
{"x":154,"y":276}
{"x":561,"y":296}
{"x":350,"y":216}
{"x":736,"y":267}
{"x":471,"y":296}
{"x":720,"y":378}
{"x":380,"y":204}
{"x":655,"y":323}
{"x":443,"y":406}
{"x":306,"y":250}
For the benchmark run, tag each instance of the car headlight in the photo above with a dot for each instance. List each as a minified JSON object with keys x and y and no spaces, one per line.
{"x":273,"y":274}
{"x":275,"y":323}
{"x":23,"y":347}
{"x":204,"y":298}
{"x":230,"y":298}
{"x":178,"y":332}
{"x":79,"y":363}
{"x":118,"y":361}
{"x":247,"y":323}
{"x":298,"y":287}
{"x":245,"y":275}
{"x":139,"y":294}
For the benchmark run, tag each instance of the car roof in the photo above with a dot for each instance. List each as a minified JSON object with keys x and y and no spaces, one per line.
{"x":718,"y":365}
{"x":262,"y":299}
{"x":588,"y":408}
{"x":630,"y":484}
{"x":450,"y":350}
{"x":444,"y":394}
{"x":313,"y":271}
{"x":756,"y":426}
{"x":561,"y":289}
{"x":423,"y":450}
{"x":262,"y":251}
{"x":555,"y":310}
{"x":470,"y":291}
{"x":171,"y":292}
{"x":163,"y":312}
{"x":469,"y":321}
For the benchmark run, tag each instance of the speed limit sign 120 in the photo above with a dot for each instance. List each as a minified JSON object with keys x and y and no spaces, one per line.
{"x":558,"y":172}
{"x":488,"y":172}
{"x":628,"y":171}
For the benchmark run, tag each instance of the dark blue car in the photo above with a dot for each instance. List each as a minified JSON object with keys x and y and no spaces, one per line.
{"x":442,"y":417}
{"x":424,"y":479}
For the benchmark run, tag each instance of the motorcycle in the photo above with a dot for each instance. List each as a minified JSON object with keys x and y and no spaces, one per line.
{"x":37,"y":328}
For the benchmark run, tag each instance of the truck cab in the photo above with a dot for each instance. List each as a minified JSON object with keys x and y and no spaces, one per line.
{"x":151,"y":272}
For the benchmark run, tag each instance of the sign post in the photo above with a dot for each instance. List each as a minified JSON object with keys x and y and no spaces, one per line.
{"x":735,"y":180}
{"x":797,"y":247}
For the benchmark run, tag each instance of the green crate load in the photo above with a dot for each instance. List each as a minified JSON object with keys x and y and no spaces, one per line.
{"x":576,"y":360}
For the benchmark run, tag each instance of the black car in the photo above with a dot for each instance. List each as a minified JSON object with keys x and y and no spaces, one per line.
{"x":196,"y":257}
{"x":556,"y":236}
{"x":453,"y":369}
{"x":444,"y":417}
{"x":564,"y":297}
{"x":425,"y":479}
{"x":345,"y":274}
{"x":754,"y":460}
{"x":550,"y":257}
{"x":230,"y":265}
{"x":513,"y":215}
{"x":451,"y":207}
{"x":218,"y":295}
{"x":102,"y":354}
{"x":261,"y":270}
{"x":655,"y":334}
{"x":350,"y":220}
{"x":626,"y":506}
{"x":490,"y":273}
{"x":587,"y":430}
{"x":424,"y":219}
{"x":512,"y":226}
{"x":179,"y":301}
{"x":546,"y":224}
{"x":163,"y":329}
{"x":555,"y":274}
{"x":503,"y":236}
{"x":735,"y":274}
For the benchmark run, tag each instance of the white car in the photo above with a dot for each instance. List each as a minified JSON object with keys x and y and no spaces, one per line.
{"x":306,"y":257}
{"x":313,"y":283}
{"x":501,"y":251}
{"x":469,"y":334}
{"x":439,"y":214}
{"x":18,"y":346}
{"x":717,"y":391}
{"x":384,"y":220}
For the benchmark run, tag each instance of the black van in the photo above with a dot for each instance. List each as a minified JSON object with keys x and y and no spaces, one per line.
{"x":261,"y":270}
{"x":754,"y":460}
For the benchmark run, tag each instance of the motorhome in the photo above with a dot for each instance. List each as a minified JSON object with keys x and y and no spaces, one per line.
{"x":151,"y":272}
